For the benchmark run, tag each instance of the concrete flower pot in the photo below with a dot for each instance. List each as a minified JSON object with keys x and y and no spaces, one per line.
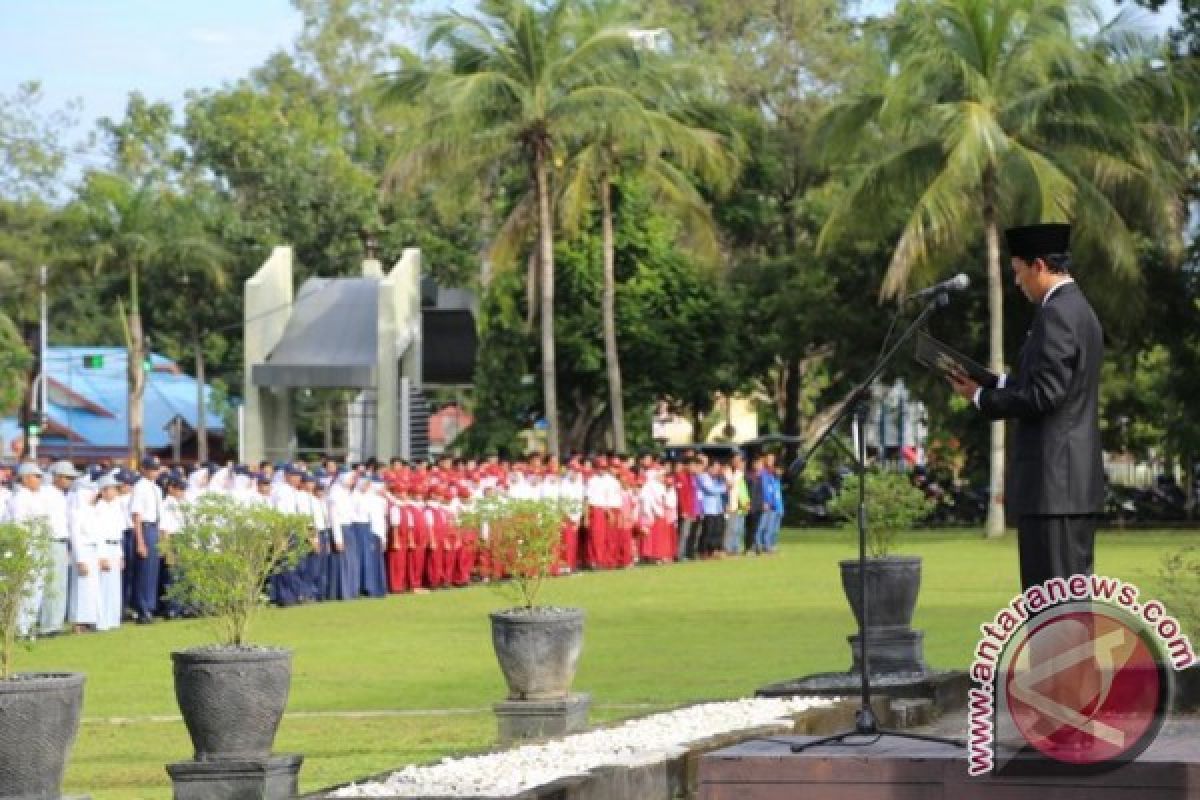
{"x":538,"y":650}
{"x":892,"y":586}
{"x":232,"y":699}
{"x":39,"y":717}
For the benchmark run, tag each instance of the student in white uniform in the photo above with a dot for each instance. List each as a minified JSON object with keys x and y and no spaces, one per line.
{"x":174,"y":498}
{"x":344,"y":562}
{"x":87,"y":545}
{"x":28,"y":504}
{"x":109,"y":517}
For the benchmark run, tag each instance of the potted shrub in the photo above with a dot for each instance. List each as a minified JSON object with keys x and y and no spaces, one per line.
{"x":39,"y":712}
{"x":538,"y":647}
{"x":232,"y":694}
{"x":893,"y":505}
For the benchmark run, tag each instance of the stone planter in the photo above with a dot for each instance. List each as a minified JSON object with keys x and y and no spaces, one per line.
{"x":1187,"y":689}
{"x":538,"y":650}
{"x":39,"y":717}
{"x":892,"y":586}
{"x":232,"y":699}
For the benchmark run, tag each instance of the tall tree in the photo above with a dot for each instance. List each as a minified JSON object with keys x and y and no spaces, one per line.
{"x":32,"y":157}
{"x":134,"y":229}
{"x":518,"y":87}
{"x":646,"y":137}
{"x":779,"y":70}
{"x":999,"y":110}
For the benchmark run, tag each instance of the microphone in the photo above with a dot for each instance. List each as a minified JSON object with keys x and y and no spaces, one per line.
{"x":956,"y":284}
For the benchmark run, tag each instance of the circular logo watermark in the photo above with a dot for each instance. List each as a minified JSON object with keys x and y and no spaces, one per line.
{"x":1077,"y":669}
{"x":1086,"y":685}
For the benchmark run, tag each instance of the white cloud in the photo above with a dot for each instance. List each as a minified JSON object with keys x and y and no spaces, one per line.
{"x":212,"y":37}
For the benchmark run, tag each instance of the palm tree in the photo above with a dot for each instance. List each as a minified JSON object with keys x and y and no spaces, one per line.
{"x":998,"y":109}
{"x":135,"y":228}
{"x":518,"y":86}
{"x":642,"y":141}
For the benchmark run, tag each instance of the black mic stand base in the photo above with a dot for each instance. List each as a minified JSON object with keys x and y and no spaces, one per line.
{"x":867,"y":725}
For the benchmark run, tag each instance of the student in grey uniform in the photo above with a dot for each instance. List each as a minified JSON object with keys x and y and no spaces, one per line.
{"x":125,"y":481}
{"x":56,"y":598}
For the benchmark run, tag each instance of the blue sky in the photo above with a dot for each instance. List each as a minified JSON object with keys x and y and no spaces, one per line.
{"x":100,"y":50}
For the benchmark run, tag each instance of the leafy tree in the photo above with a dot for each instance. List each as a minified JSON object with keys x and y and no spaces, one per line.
{"x":998,"y":110}
{"x":672,"y":321}
{"x":136,"y":228}
{"x":32,"y":153}
{"x":779,"y":71}
{"x":646,"y":138}
{"x":32,"y":157}
{"x":518,"y":86}
{"x":275,"y":143}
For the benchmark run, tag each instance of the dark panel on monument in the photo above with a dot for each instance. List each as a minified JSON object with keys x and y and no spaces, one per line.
{"x":449,"y":345}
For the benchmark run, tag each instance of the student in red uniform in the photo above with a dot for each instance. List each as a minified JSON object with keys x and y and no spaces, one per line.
{"x":689,"y":509}
{"x":397,"y":552}
{"x":597,"y":546}
{"x":571,"y":492}
{"x":625,"y":516}
{"x":439,"y":539}
{"x":468,"y":539}
{"x":418,"y":542}
{"x":454,"y":542}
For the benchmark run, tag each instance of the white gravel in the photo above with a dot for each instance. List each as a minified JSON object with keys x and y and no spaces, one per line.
{"x":636,"y":742}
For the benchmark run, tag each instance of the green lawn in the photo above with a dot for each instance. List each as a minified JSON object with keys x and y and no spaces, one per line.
{"x":656,"y":637}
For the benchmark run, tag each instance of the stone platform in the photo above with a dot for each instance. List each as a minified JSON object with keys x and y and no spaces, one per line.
{"x":946,"y":690}
{"x":899,"y":769}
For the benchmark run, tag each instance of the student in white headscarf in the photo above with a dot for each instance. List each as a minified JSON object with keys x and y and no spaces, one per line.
{"x":87,"y":543}
{"x":197,"y":484}
{"x":108,"y":517}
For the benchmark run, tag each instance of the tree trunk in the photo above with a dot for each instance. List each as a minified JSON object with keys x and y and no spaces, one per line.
{"x":546,"y":257}
{"x":791,"y":405}
{"x":137,"y":388}
{"x":201,"y":409}
{"x":616,"y":402}
{"x":995,"y":512}
{"x":328,"y":427}
{"x":532,"y":270}
{"x":486,"y":222}
{"x":137,"y":376}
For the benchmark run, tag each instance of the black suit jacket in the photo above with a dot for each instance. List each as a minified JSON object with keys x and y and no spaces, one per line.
{"x":1055,"y":464}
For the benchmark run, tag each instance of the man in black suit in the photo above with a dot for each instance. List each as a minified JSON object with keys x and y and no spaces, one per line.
{"x":1055,"y":483}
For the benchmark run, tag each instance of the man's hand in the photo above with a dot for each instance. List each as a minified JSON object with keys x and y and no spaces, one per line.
{"x":82,"y":568}
{"x":140,"y":548}
{"x":962,"y":384}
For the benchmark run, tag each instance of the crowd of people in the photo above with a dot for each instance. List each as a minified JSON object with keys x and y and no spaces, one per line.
{"x":376,"y":528}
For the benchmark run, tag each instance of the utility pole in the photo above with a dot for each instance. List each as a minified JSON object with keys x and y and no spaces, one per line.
{"x":201,"y":411}
{"x":39,"y":415}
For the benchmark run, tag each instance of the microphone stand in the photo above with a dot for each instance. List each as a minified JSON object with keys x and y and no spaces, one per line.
{"x":865,"y":721}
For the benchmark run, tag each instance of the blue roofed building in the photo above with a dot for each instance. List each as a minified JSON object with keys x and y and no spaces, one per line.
{"x":87,"y":413}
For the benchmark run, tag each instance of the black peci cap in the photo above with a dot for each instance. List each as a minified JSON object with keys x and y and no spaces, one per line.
{"x":1034,"y":241}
